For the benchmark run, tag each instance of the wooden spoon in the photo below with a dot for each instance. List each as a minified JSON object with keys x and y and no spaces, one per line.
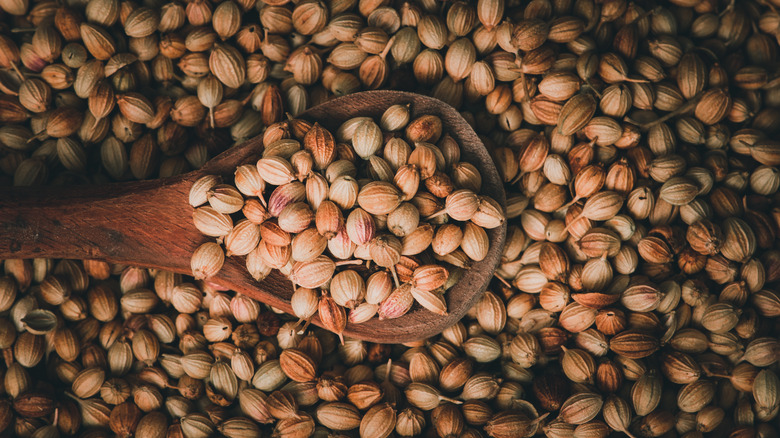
{"x":149,"y":223}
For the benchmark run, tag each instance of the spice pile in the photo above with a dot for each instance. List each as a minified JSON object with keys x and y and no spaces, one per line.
{"x":397,"y":209}
{"x":638,"y":290}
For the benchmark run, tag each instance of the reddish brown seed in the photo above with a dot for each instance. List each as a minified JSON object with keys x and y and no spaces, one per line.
{"x":333,"y":316}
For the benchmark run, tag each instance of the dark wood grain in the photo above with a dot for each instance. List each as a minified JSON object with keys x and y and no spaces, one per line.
{"x":149,"y":223}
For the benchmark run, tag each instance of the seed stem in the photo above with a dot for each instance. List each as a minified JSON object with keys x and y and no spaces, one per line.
{"x":305,"y":322}
{"x":568,"y":204}
{"x":682,"y":109}
{"x":541,"y":418}
{"x":566,"y":229}
{"x":636,"y":81}
{"x":646,"y":14}
{"x":502,"y":280}
{"x":395,"y":276}
{"x":728,"y":8}
{"x":524,"y":84}
{"x":387,"y":48}
{"x":592,"y":88}
{"x":389,"y":365}
{"x":517,"y":178}
{"x":39,"y":136}
{"x":450,"y":399}
{"x":18,"y":72}
{"x":437,"y":214}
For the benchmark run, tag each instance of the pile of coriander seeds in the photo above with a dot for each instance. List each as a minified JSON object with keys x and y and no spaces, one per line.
{"x":361,"y":200}
{"x":638,"y":292}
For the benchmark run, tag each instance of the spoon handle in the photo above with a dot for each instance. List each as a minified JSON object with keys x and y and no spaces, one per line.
{"x":138,"y":222}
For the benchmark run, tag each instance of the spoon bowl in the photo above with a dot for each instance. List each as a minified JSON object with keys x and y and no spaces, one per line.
{"x":149,"y":223}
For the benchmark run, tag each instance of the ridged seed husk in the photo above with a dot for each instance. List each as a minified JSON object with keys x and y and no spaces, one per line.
{"x":228,"y":65}
{"x":320,"y":142}
{"x":576,"y":113}
{"x":297,"y":365}
{"x":581,"y":408}
{"x":333,"y":316}
{"x":314,"y":273}
{"x":528,"y":35}
{"x":379,"y":421}
{"x":602,"y":206}
{"x":633,"y":344}
{"x":397,"y":303}
{"x":508,"y":424}
{"x":338,"y":416}
{"x":379,"y":198}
